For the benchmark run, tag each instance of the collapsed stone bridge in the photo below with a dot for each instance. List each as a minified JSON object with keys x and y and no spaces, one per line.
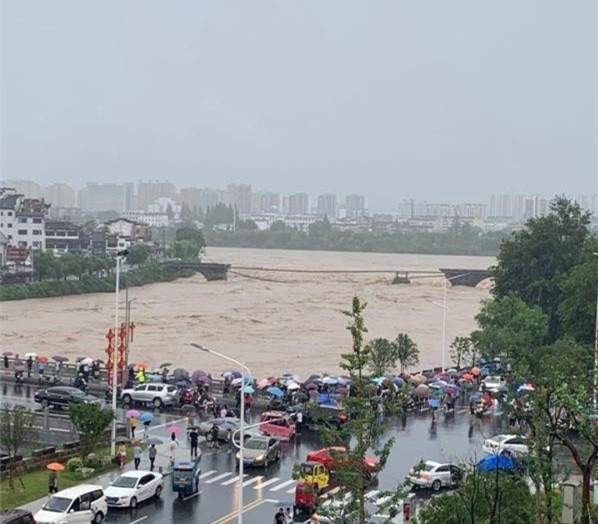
{"x":210,"y":270}
{"x":466,"y":277}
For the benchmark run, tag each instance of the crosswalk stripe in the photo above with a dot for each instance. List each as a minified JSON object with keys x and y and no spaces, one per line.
{"x":292,"y":490}
{"x":233,"y":480}
{"x":219,"y":477}
{"x":207,"y":473}
{"x":267,"y":483}
{"x":283,"y":485}
{"x":252,"y":480}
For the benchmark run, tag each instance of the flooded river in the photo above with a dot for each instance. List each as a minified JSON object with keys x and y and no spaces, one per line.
{"x":275,"y":322}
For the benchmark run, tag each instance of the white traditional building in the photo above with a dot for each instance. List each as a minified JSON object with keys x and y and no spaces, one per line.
{"x":151,"y":219}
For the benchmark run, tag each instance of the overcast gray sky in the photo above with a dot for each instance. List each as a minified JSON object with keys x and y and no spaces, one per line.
{"x":439,"y":99}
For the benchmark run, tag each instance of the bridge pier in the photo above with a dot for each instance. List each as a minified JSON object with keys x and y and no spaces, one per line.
{"x":401,"y":277}
{"x":466,"y":277}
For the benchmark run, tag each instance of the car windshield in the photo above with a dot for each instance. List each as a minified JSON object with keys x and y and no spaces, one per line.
{"x":125,"y":482}
{"x":58,"y":504}
{"x":77,"y":393}
{"x":429,"y":467}
{"x":256,"y":444}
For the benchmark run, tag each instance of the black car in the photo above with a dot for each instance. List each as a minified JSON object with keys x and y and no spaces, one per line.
{"x":62,"y":396}
{"x":16,"y":516}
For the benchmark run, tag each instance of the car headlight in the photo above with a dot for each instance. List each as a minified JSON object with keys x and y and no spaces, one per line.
{"x":259,"y":458}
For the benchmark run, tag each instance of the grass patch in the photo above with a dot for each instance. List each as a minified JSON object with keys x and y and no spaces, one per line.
{"x":36,"y":482}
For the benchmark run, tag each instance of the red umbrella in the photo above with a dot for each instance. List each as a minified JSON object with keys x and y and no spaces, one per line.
{"x":8,"y":354}
{"x":42,"y":359}
{"x":174,"y":429}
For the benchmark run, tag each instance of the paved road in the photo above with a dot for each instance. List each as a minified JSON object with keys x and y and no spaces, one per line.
{"x":451,"y":439}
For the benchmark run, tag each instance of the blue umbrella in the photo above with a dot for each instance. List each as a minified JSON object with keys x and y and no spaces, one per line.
{"x":248,"y":389}
{"x":146,"y":416}
{"x":277,"y":392}
{"x":494,"y":462}
{"x":398,"y":381}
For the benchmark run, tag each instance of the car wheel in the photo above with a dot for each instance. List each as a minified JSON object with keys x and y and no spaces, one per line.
{"x":98,"y":517}
{"x":158,"y":492}
{"x":127,"y":399}
{"x":436,"y":485}
{"x":133,"y":503}
{"x":157,"y":403}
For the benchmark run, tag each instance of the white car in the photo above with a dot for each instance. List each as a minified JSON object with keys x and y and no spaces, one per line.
{"x":435,"y":475}
{"x":514,"y":444}
{"x":155,"y":393}
{"x":83,"y":503}
{"x":132,"y":487}
{"x":493,"y":383}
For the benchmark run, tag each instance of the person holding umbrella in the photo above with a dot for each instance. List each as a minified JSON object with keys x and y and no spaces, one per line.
{"x":133,"y":424}
{"x":52,"y":477}
{"x":194,"y":438}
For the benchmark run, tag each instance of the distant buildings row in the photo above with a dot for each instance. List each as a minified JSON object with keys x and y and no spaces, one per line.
{"x":153,"y":196}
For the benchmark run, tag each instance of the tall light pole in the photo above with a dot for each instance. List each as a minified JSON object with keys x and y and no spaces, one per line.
{"x":115,"y":351}
{"x":246,"y":372}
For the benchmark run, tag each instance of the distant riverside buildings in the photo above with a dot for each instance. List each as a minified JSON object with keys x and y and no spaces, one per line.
{"x":327,"y":206}
{"x":60,"y":195}
{"x":298,"y":204}
{"x":148,"y":192}
{"x":105,"y":197}
{"x":354,"y":206}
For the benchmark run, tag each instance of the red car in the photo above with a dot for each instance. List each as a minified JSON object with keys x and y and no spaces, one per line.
{"x":325,"y":456}
{"x":277,"y":424}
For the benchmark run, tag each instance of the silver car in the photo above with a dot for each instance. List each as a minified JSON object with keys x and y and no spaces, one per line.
{"x":260,"y":451}
{"x":153,"y":393}
{"x":434,"y":475}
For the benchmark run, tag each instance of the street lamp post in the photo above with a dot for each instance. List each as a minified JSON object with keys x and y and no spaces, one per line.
{"x":246,"y":372}
{"x":114,"y":354}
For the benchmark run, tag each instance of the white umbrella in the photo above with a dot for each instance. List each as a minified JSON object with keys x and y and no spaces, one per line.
{"x":31,"y":354}
{"x":292,"y":386}
{"x":87,"y":361}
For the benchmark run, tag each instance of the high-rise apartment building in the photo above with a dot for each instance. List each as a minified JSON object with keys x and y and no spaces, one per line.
{"x":25,"y":187}
{"x":148,"y":192}
{"x":298,"y":204}
{"x":102,"y":197}
{"x":355,"y":206}
{"x":327,"y":205}
{"x":269,"y":202}
{"x":240,"y":197}
{"x":60,"y":195}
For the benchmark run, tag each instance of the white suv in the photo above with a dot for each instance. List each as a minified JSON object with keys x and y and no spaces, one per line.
{"x":155,"y":393}
{"x":83,"y":503}
{"x":512,"y":443}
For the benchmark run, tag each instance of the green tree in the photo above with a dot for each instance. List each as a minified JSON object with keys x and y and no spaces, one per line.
{"x":362,"y":432}
{"x":382,"y":356}
{"x":186,"y":250}
{"x":91,"y":422}
{"x":407,"y":351}
{"x":509,"y":328}
{"x":577,"y":309}
{"x":535,"y":261}
{"x":247,"y":225}
{"x":321,"y":227}
{"x":461,"y":349}
{"x":186,"y":212}
{"x":191,"y":234}
{"x":138,"y":254}
{"x":278,"y":225}
{"x":16,"y":426}
{"x":482,"y":498}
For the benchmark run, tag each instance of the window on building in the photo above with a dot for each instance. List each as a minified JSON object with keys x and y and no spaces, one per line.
{"x":9,"y":224}
{"x":22,"y":231}
{"x":22,"y":220}
{"x":37,"y":220}
{"x":37,"y":231}
{"x":9,"y":213}
{"x":37,"y":244}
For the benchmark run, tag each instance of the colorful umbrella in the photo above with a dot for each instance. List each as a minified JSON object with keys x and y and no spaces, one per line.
{"x":232,"y":373}
{"x":398,"y":381}
{"x":475,"y":372}
{"x":249,"y":390}
{"x":155,"y":440}
{"x":132,"y":413}
{"x":7,"y":354}
{"x":263,"y":383}
{"x":277,"y":392}
{"x":419,"y":379}
{"x":146,"y":416}
{"x":42,"y":359}
{"x":142,"y":365}
{"x":179,"y":373}
{"x":174,"y":429}
{"x":55,"y":466}
{"x":292,"y":386}
{"x":468,"y":377}
{"x":200,"y":377}
{"x":59,"y":358}
{"x":422,"y":391}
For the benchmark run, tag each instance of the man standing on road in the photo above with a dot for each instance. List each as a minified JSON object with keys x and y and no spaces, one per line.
{"x":194,"y":437}
{"x":279,"y":518}
{"x":152,"y":452}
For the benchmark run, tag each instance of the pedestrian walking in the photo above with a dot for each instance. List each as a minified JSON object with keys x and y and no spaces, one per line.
{"x":299,"y":420}
{"x":133,"y":424}
{"x":279,"y":518}
{"x":122,"y":456}
{"x":29,"y":365}
{"x":52,"y":483}
{"x":288,"y":515}
{"x":194,"y":439}
{"x":5,"y":361}
{"x":146,"y":426}
{"x":151,"y":453}
{"x":136,"y":454}
{"x":174,"y":444}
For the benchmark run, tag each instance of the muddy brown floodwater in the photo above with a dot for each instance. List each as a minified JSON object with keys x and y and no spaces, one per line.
{"x":275,"y":322}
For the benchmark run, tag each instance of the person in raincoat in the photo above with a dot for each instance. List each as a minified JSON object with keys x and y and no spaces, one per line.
{"x":140,"y":376}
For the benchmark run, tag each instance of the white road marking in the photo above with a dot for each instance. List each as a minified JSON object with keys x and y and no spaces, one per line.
{"x":216,"y":479}
{"x":267,"y":483}
{"x":292,"y":490}
{"x":283,"y":485}
{"x":140,"y":519}
{"x":252,"y":480}
{"x":193,"y":495}
{"x":207,"y":473}
{"x":233,"y":480}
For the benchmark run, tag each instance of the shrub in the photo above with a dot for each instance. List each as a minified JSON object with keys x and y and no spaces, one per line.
{"x":74,"y":464}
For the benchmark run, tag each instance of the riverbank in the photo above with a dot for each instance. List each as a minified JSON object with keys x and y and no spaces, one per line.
{"x":147,"y":274}
{"x":461,"y":241}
